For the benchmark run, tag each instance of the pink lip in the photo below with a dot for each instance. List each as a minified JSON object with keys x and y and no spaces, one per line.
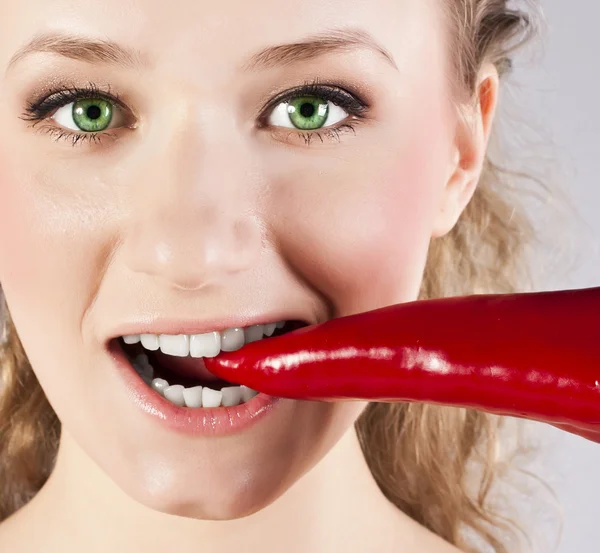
{"x":219,"y":421}
{"x":178,"y":326}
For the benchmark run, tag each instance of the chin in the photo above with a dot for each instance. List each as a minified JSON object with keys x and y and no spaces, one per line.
{"x":207,"y":509}
{"x":232,"y":481}
{"x":234,"y":501}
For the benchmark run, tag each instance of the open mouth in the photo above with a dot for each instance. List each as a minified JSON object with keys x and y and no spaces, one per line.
{"x":173,"y":365}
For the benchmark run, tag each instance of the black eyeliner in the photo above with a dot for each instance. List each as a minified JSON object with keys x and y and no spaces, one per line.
{"x":40,"y":108}
{"x":330,"y":92}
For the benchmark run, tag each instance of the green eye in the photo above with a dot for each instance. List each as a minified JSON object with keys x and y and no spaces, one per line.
{"x":308,"y":112}
{"x":92,"y":115}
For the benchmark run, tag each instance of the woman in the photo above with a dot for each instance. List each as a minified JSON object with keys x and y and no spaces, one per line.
{"x":201,"y":169}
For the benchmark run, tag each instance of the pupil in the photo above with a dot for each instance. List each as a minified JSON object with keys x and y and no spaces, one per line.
{"x":94,"y":112}
{"x":307,"y":110}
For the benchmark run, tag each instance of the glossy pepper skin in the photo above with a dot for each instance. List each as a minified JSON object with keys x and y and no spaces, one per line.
{"x":533,"y":355}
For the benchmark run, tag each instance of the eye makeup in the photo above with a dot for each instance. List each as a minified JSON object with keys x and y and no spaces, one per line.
{"x":43,"y":109}
{"x":40,"y":109}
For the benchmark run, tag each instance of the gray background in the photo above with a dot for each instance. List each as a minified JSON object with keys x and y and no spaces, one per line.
{"x":557,"y":91}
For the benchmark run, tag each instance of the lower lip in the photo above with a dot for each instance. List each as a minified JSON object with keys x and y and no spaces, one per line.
{"x":220,"y":421}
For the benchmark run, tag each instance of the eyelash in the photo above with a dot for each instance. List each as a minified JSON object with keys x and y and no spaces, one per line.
{"x":39,"y":110}
{"x":335,"y":94}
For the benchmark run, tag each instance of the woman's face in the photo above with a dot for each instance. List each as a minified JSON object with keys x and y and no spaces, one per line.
{"x":202,"y":201}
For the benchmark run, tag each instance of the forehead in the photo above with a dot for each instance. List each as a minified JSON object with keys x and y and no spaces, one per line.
{"x":204,"y":35}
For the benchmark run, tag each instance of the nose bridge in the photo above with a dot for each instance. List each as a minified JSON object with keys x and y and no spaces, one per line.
{"x":192,"y":220}
{"x":192,"y":152}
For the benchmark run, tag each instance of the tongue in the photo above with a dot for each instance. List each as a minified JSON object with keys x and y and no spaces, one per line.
{"x":190,"y":367}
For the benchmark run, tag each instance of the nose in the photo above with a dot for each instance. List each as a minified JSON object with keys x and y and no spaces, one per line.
{"x":192,"y":217}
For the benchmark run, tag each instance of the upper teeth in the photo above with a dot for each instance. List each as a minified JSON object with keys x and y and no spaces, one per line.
{"x":209,"y":344}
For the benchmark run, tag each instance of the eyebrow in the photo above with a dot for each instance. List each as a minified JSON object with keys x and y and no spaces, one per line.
{"x":86,"y":49}
{"x":106,"y":51}
{"x":334,"y":40}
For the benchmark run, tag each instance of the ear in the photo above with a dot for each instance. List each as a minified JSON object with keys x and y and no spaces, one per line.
{"x":472,"y":136}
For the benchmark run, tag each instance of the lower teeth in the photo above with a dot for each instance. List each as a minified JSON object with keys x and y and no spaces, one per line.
{"x":193,"y":397}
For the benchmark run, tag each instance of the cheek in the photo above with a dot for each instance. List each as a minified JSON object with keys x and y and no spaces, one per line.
{"x":51,"y":252}
{"x":360,"y":228}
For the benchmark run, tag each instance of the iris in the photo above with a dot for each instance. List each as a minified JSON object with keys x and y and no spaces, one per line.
{"x":92,"y":115}
{"x":308,"y":112}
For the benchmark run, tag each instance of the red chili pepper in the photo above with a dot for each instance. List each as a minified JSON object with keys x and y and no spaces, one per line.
{"x":535,"y":356}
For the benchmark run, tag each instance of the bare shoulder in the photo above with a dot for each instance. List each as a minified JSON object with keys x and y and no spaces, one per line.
{"x":416,"y":539}
{"x":432,"y":543}
{"x":7,"y":539}
{"x":16,"y":537}
{"x":445,"y":547}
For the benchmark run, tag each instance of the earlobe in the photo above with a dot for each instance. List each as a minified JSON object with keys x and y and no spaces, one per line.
{"x":473,"y":130}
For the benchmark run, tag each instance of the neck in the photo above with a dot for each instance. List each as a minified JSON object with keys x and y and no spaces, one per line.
{"x":336,"y":505}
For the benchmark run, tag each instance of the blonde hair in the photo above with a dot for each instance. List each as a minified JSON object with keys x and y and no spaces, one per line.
{"x":419,"y":454}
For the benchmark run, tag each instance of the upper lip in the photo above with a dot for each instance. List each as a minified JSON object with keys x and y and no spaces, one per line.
{"x":166,"y":325}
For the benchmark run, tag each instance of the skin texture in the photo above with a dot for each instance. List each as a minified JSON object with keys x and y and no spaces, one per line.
{"x":197,"y":212}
